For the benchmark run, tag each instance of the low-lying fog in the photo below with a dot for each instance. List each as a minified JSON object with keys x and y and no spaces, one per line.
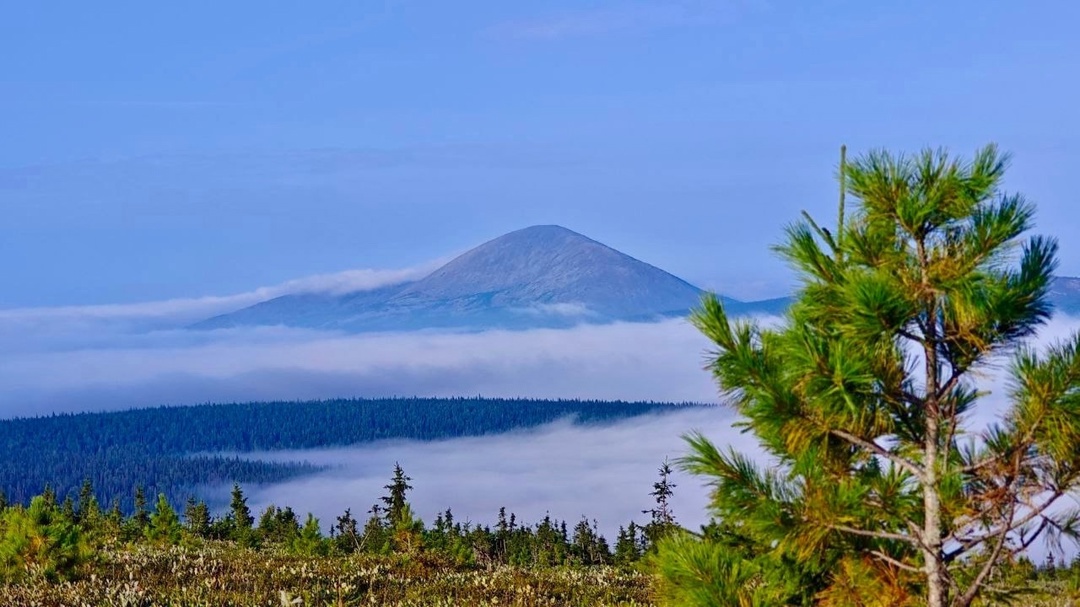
{"x":603,"y":472}
{"x":110,"y":357}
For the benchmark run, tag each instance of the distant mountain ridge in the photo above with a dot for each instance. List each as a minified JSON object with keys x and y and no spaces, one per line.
{"x":541,"y":276}
{"x":537,"y":277}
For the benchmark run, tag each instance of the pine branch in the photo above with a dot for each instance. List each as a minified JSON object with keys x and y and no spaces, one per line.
{"x":1036,"y":512}
{"x":898,"y":564}
{"x":877,"y":449}
{"x":995,"y":554}
{"x":1025,"y":543}
{"x":881,"y":535}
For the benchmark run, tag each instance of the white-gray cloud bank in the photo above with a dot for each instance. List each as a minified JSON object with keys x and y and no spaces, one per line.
{"x":656,"y":361}
{"x":565,"y":470}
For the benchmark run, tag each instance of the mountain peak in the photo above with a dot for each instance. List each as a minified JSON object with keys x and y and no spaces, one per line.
{"x":542,"y":275}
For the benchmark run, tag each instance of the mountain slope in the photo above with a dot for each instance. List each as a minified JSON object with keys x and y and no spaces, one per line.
{"x":1065,"y":295}
{"x":550,"y":267}
{"x":542,"y":276}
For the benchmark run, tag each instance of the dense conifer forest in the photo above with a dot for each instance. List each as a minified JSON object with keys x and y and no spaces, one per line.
{"x":178,"y":449}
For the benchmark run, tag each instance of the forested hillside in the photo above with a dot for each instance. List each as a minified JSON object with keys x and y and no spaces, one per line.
{"x":175,"y":449}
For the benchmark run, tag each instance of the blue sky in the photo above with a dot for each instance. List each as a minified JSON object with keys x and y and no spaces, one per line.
{"x":155,"y":150}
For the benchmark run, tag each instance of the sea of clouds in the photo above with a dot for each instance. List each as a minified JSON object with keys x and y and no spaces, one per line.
{"x":134,"y":355}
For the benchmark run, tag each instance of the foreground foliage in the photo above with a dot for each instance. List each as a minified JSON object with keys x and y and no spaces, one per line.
{"x":223,"y":574}
{"x":880,"y":493}
{"x":74,"y":553}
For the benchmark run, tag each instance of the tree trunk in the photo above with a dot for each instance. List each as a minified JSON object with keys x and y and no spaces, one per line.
{"x":936,"y":590}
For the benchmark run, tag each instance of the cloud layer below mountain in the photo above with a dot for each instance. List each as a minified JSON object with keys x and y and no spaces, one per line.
{"x":119,"y":356}
{"x":568,"y":471}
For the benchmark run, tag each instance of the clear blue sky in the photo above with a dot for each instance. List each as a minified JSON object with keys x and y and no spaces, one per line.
{"x":162,"y":149}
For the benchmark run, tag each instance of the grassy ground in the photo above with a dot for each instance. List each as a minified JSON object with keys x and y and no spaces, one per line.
{"x":221,"y":575}
{"x":225,"y":575}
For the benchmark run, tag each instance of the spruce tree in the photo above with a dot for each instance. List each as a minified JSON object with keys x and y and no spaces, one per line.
{"x":879,"y":489}
{"x":67,"y":510}
{"x":627,"y":545}
{"x":48,"y":497}
{"x":663,"y":520}
{"x":395,"y":500}
{"x":197,"y":517}
{"x":89,"y":511}
{"x":238,"y":508}
{"x":141,"y":517}
{"x":348,"y":533}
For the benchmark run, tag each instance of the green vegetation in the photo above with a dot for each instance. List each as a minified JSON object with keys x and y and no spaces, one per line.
{"x":54,"y":555}
{"x":50,"y":555}
{"x":163,"y":449}
{"x":878,"y":494}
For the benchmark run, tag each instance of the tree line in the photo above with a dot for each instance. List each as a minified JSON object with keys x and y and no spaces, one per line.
{"x":58,"y":539}
{"x":167,"y":449}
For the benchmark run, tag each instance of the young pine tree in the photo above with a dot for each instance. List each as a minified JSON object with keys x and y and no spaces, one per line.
{"x":880,"y":492}
{"x":164,"y":526}
{"x":310,"y":541}
{"x":39,"y":543}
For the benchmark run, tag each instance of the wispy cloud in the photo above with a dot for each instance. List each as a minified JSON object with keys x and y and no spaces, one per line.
{"x":617,"y":17}
{"x":159,"y":324}
{"x":186,"y":309}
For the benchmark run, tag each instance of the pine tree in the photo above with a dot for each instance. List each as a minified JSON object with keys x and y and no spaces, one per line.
{"x":407,"y":532}
{"x":164,"y":525}
{"x":310,"y":541}
{"x":37,"y":542}
{"x":877,"y":491}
